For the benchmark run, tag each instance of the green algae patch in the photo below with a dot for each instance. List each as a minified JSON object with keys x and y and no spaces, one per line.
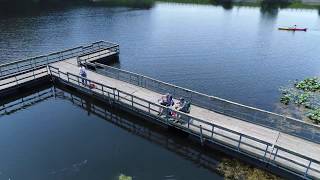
{"x":124,"y":177}
{"x":236,"y":170}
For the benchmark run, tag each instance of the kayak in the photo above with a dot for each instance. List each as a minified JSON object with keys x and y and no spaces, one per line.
{"x":293,"y":29}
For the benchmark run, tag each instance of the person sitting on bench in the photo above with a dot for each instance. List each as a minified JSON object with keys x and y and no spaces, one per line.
{"x":166,"y":100}
{"x":183,"y":106}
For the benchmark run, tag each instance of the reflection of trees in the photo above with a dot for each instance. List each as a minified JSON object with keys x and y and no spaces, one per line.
{"x":141,"y":4}
{"x":271,"y":7}
{"x":32,"y":6}
{"x":226,"y":4}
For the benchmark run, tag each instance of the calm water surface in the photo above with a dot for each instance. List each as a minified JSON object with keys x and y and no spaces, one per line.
{"x":63,"y":138}
{"x":236,"y":54}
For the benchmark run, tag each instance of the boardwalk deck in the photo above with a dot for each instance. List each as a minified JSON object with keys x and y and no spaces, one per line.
{"x":283,"y":140}
{"x":295,"y":153}
{"x":22,"y":78}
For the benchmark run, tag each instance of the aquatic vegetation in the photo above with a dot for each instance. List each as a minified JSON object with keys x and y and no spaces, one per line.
{"x":236,"y":170}
{"x":304,"y":94}
{"x":314,"y":115}
{"x":309,"y":84}
{"x":124,"y":177}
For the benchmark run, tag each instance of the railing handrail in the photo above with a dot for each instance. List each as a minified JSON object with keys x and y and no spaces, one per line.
{"x":312,"y":160}
{"x":202,"y":94}
{"x":37,"y":57}
{"x":57,"y":52}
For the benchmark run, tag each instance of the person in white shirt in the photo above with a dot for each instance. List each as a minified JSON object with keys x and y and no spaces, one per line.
{"x":83,"y":74}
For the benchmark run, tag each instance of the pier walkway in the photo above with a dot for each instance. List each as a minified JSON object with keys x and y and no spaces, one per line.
{"x":267,"y":137}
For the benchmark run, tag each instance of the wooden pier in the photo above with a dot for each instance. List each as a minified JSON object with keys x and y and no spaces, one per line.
{"x":273,"y":139}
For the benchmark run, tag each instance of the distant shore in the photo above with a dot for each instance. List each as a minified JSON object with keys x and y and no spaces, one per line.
{"x":265,"y":4}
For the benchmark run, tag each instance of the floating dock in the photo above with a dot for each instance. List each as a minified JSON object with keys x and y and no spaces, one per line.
{"x":271,"y":139}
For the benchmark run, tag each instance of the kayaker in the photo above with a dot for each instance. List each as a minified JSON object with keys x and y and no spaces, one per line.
{"x":295,"y":27}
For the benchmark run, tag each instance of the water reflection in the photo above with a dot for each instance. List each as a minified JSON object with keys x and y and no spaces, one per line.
{"x":271,"y":7}
{"x":170,"y":140}
{"x":226,"y":4}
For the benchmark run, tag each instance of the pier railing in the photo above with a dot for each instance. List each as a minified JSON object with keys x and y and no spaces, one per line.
{"x":18,"y":79}
{"x":15,"y":67}
{"x":250,"y":114}
{"x":205,"y":131}
{"x":96,"y":51}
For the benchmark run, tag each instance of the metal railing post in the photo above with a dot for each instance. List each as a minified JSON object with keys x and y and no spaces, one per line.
{"x":78,"y":80}
{"x":274,"y":157}
{"x":201,"y":135}
{"x":212,"y":131}
{"x":265,"y":152}
{"x":306,"y":173}
{"x":78,"y":61}
{"x":34,"y":76}
{"x":132,"y":101}
{"x":239,"y":142}
{"x":16,"y":80}
{"x":68,"y":77}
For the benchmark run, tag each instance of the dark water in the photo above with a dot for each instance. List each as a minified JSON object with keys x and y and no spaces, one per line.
{"x":69,"y":136}
{"x":237,"y":54}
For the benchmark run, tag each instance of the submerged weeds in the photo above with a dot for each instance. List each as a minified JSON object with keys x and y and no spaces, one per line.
{"x":236,"y":170}
{"x":124,"y":177}
{"x":305,"y":93}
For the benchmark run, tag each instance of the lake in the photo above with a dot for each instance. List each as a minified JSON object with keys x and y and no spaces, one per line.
{"x":235,"y":53}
